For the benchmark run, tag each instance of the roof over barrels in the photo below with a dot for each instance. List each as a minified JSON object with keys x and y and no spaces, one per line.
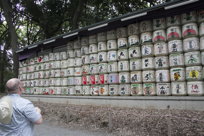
{"x":159,"y":11}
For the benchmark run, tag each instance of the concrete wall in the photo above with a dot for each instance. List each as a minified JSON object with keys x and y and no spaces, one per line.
{"x":144,"y":102}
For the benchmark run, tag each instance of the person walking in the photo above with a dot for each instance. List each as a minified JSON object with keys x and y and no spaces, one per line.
{"x":17,"y":115}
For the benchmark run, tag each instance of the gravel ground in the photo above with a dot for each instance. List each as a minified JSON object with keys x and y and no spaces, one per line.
{"x":117,"y":121}
{"x":50,"y":129}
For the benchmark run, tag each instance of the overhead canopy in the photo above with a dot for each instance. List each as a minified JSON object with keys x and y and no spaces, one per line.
{"x":163,"y":10}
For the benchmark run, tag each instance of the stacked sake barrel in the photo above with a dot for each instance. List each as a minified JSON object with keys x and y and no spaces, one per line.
{"x":23,"y":76}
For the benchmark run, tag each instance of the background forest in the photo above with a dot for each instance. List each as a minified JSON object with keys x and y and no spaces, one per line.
{"x":24,"y":22}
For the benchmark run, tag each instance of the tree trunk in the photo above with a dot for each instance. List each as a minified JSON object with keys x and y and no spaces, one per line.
{"x":77,"y":13}
{"x":6,"y":6}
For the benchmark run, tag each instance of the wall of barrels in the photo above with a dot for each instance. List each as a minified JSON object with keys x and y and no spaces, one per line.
{"x":163,"y":56}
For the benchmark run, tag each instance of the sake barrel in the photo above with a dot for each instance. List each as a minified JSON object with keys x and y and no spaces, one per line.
{"x":93,"y":69}
{"x":51,"y":81}
{"x":57,"y":82}
{"x":149,"y":89}
{"x":63,"y":63}
{"x":77,"y":80}
{"x":51,"y":72}
{"x":159,"y":35}
{"x":133,"y":40}
{"x":162,"y":75}
{"x":63,"y":72}
{"x":93,"y":58}
{"x":123,"y":66}
{"x":202,"y":43}
{"x":77,"y":71}
{"x":94,"y":89}
{"x":57,"y":73}
{"x":40,"y":59}
{"x":173,"y":20}
{"x":161,"y":62}
{"x":192,"y":58}
{"x":46,"y":66}
{"x":202,"y":58}
{"x":101,"y":37}
{"x":84,"y":50}
{"x":159,"y":23}
{"x":121,"y":32}
{"x":63,"y":55}
{"x":77,"y":62}
{"x":77,"y":44}
{"x":52,"y":90}
{"x":201,"y":29}
{"x":84,"y":41}
{"x":113,"y":89}
{"x":85,"y":80}
{"x":124,"y":89}
{"x":147,"y":50}
{"x":134,"y":52}
{"x":85,"y":69}
{"x":86,"y":90}
{"x":24,"y":70}
{"x":93,"y":48}
{"x":173,"y":32}
{"x":63,"y":81}
{"x":113,"y":78}
{"x":93,"y":79}
{"x":57,"y":64}
{"x":70,"y":45}
{"x":46,"y":74}
{"x":70,"y":80}
{"x":111,"y":34}
{"x":112,"y":67}
{"x":64,"y":90}
{"x":25,"y":62}
{"x":195,"y":88}
{"x":136,"y":89}
{"x":145,"y":26}
{"x":92,"y":39}
{"x":85,"y":59}
{"x":102,"y":67}
{"x":71,"y":90}
{"x":160,"y":48}
{"x":112,"y":45}
{"x":56,"y":56}
{"x":122,"y":54}
{"x":163,"y":88}
{"x":124,"y":77}
{"x":177,"y":74}
{"x":146,"y":37}
{"x":103,"y":78}
{"x":191,"y":44}
{"x":133,"y":29}
{"x":70,"y":71}
{"x":176,"y":60}
{"x":103,"y":90}
{"x":148,"y":76}
{"x":200,"y":15}
{"x":112,"y":55}
{"x":31,"y":60}
{"x":40,"y":74}
{"x":178,"y":88}
{"x":78,"y":90}
{"x":190,"y":29}
{"x":122,"y":43}
{"x":77,"y":53}
{"x":188,"y":17}
{"x":194,"y":73}
{"x":175,"y":46}
{"x":148,"y":63}
{"x":135,"y":64}
{"x":136,"y":77}
{"x":102,"y":57}
{"x":102,"y":46}
{"x":70,"y":53}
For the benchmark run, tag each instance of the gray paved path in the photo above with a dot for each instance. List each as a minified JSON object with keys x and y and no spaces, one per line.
{"x":46,"y":129}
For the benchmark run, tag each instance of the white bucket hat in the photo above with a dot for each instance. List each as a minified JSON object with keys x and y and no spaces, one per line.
{"x":6,"y":110}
